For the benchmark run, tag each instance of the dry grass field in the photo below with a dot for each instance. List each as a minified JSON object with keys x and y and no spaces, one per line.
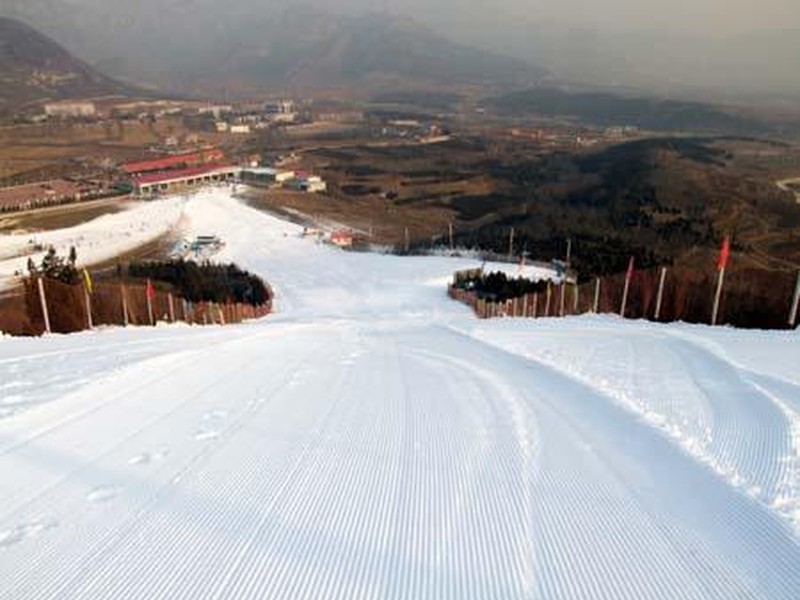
{"x":49,"y":147}
{"x":60,"y":217}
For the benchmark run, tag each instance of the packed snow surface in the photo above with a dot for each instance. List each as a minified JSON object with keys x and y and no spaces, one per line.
{"x":373,"y":440}
{"x":94,"y":241}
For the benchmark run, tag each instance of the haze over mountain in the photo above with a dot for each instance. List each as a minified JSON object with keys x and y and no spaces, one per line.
{"x":33,"y":67}
{"x":242,"y":49}
{"x":732,"y":47}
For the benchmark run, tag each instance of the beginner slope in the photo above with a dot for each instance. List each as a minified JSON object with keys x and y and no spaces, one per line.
{"x":372,"y":440}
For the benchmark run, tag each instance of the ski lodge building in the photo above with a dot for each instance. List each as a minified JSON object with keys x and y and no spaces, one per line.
{"x":151,"y":184}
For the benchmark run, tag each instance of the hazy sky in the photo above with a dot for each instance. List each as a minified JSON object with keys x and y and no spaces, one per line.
{"x":695,"y":16}
{"x":658,"y":44}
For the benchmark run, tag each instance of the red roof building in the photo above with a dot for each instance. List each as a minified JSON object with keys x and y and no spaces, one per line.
{"x":150,"y":184}
{"x":342,"y":238}
{"x":178,"y":161}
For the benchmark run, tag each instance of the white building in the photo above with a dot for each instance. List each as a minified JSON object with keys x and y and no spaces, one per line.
{"x":284,"y":176}
{"x":70,"y":109}
{"x":281,"y":107}
{"x":215,"y":109}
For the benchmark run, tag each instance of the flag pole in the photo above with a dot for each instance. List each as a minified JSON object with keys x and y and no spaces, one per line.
{"x":88,"y":300}
{"x":795,"y":304}
{"x":87,"y":294}
{"x":149,"y":293}
{"x":43,"y":301}
{"x":596,"y":303}
{"x":660,"y":295}
{"x":722,"y":265}
{"x":718,"y":296}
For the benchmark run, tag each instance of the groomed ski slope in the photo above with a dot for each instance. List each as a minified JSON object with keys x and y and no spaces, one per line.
{"x":373,"y":440}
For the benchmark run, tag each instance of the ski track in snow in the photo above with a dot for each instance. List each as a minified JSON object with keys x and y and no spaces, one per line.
{"x":372,"y":440}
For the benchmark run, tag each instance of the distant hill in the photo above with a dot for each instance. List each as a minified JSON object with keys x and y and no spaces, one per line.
{"x":247,"y":47}
{"x":33,"y":67}
{"x":606,"y":109}
{"x":662,"y":199}
{"x":307,"y":48}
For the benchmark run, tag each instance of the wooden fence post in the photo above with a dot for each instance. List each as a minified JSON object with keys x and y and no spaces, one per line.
{"x":547,"y":302}
{"x":43,"y":301}
{"x":171,"y":308}
{"x":125,"y":317}
{"x":563,"y":298}
{"x":576,"y":298}
{"x":535,"y":305}
{"x":525,"y":305}
{"x":150,"y":308}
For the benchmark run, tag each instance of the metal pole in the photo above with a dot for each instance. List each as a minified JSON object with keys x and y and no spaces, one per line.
{"x":450,"y":230}
{"x":660,"y":295}
{"x":511,"y":244}
{"x":717,"y":297}
{"x":596,"y":303}
{"x":795,"y":304}
{"x":569,"y":251}
{"x":40,"y":284}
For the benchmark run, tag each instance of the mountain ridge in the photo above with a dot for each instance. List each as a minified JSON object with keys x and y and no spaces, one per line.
{"x":34,"y":68}
{"x":298,"y":47}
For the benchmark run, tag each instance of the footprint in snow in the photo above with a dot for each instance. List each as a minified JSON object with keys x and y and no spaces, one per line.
{"x":215,"y":415}
{"x":9,"y":537}
{"x":100,"y":495}
{"x":145,"y":458}
{"x":206,"y":435}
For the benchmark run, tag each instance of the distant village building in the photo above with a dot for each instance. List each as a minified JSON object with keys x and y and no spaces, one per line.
{"x":264,"y":176}
{"x":215,"y":109}
{"x":239,"y":129}
{"x":283,"y":176}
{"x":61,"y":110}
{"x":342,"y":238}
{"x":304,"y":182}
{"x":280,"y":107}
{"x":342,"y":116}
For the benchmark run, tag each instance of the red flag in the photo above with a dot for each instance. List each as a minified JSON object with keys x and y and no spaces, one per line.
{"x":151,"y":293}
{"x":629,"y":273}
{"x":724,"y":254}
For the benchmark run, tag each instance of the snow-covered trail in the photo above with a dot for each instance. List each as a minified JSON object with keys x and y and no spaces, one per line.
{"x":372,"y":440}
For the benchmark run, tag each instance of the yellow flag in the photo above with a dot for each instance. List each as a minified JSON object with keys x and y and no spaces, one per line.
{"x":87,"y":279}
